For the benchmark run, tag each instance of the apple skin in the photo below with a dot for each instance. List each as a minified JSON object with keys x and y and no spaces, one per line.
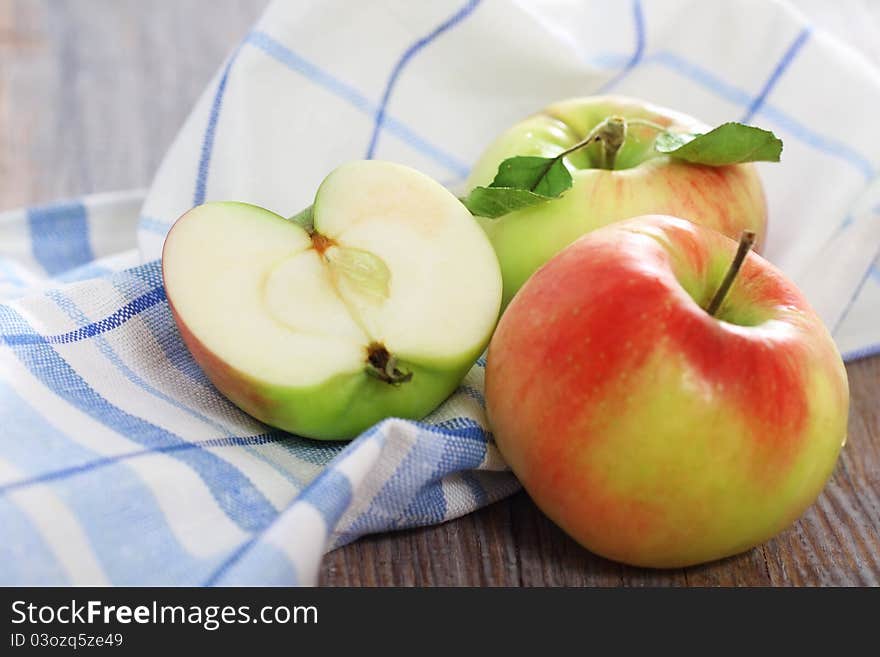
{"x":728,"y":199}
{"x":339,"y":408}
{"x":651,"y":432}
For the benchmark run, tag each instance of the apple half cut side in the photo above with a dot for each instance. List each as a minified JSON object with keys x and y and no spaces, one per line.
{"x":374,"y":303}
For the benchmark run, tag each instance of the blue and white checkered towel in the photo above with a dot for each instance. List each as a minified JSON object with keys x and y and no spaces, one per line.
{"x":119,"y":462}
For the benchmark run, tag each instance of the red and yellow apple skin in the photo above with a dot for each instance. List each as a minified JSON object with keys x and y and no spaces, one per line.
{"x":728,"y":198}
{"x":652,"y":432}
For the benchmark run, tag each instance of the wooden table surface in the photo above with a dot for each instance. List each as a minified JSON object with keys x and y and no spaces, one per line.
{"x":92,"y":93}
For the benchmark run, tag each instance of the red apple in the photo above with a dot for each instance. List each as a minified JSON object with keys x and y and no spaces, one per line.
{"x":654,"y":432}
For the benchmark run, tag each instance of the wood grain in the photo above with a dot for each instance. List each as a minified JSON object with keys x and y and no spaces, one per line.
{"x":91,"y":94}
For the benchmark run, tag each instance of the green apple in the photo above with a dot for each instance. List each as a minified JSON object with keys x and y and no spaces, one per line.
{"x":639,"y":180}
{"x":373,"y":303}
{"x":653,"y":425}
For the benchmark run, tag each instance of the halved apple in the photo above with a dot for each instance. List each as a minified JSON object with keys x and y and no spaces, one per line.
{"x":373,"y":303}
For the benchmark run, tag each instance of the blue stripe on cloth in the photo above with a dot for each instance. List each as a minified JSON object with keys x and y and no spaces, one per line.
{"x":34,"y":445}
{"x":355,"y":98}
{"x":26,"y":559}
{"x":281,"y":53}
{"x":609,"y":60}
{"x":827,"y":145}
{"x":702,"y":76}
{"x":638,"y":50}
{"x":856,"y":292}
{"x":463,"y":449}
{"x":68,"y":451}
{"x":66,"y":304}
{"x":96,"y":464}
{"x":711,"y":82}
{"x":481,"y":498}
{"x":234,"y":557}
{"x":862,"y":352}
{"x":408,"y":54}
{"x":780,"y":68}
{"x":160,"y":324}
{"x":473,"y":393}
{"x":467,"y":453}
{"x":243,"y":553}
{"x":153,"y":225}
{"x":210,"y":132}
{"x":234,"y":493}
{"x":60,"y":236}
{"x":330,"y":493}
{"x":265,"y":565}
{"x":112,"y":321}
{"x":398,"y":504}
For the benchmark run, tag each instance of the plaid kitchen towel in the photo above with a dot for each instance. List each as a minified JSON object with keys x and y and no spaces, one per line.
{"x":119,"y":462}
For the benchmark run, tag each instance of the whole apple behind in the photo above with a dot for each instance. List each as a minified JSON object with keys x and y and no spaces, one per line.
{"x":729,"y":198}
{"x":652,"y":432}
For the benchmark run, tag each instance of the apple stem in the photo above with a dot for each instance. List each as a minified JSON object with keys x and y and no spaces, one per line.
{"x":611,"y":133}
{"x":746,"y":240}
{"x":612,"y":136}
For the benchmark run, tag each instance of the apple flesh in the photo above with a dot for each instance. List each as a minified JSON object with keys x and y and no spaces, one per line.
{"x":651,"y":431}
{"x":376,"y":308}
{"x":729,"y":199}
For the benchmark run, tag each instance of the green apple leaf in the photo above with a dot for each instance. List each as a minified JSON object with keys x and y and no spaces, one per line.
{"x":521,"y":182}
{"x":493,"y":202}
{"x":545,"y":176}
{"x":730,"y":143}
